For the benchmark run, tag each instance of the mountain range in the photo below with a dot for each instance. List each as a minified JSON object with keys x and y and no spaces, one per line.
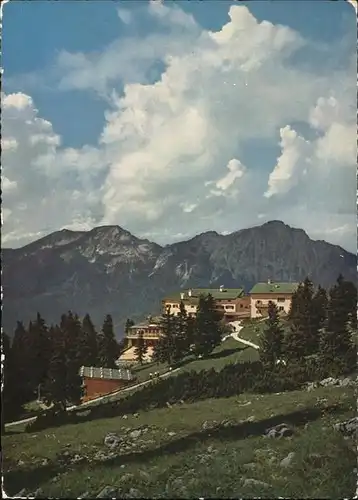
{"x":109,"y":270}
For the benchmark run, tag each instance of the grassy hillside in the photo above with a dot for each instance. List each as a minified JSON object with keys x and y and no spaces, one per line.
{"x":175,"y":453}
{"x":229,"y":351}
{"x":254,"y":327}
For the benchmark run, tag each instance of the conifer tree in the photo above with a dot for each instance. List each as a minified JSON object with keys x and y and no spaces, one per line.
{"x":207,"y":328}
{"x":302,"y":339}
{"x":107,"y":344}
{"x":141,"y":349}
{"x":336,"y":352}
{"x":318,"y":315}
{"x":349,"y":305}
{"x":128,"y":324}
{"x":159,"y":354}
{"x":164,"y":348}
{"x":88,"y":342}
{"x":51,"y":336}
{"x":41,"y":349}
{"x":295,"y":299}
{"x":319,"y":307}
{"x":55,"y":387}
{"x":63,"y":384}
{"x":271,"y":338}
{"x":182,"y":326}
{"x":23,"y":359}
{"x":72,"y":330}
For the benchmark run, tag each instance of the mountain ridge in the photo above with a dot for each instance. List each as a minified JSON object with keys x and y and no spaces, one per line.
{"x":109,"y":270}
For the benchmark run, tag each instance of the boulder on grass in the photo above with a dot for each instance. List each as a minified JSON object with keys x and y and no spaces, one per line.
{"x":348,"y":427}
{"x":279,"y":431}
{"x":112,"y":440}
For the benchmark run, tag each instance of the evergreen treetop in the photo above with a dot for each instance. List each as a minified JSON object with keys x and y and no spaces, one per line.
{"x":337,"y":352}
{"x":140,"y":349}
{"x":107,"y":344}
{"x":271,"y":338}
{"x":208,"y":329}
{"x":88,"y":343}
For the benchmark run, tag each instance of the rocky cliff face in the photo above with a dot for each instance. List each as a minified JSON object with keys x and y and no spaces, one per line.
{"x":108,"y":270}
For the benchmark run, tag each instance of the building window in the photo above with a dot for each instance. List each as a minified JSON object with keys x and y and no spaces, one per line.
{"x":281,"y":308}
{"x":280,"y":299}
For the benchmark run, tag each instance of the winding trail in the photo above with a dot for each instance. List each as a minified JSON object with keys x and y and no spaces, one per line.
{"x":243,"y":341}
{"x":235,"y":335}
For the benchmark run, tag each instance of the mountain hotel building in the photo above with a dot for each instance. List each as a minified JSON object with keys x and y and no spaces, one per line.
{"x":232,"y":302}
{"x":277,"y":292}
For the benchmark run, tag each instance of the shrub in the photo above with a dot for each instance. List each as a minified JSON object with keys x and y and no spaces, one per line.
{"x":192,"y":386}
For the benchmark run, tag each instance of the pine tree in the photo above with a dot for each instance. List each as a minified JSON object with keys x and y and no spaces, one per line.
{"x":318,"y":314}
{"x":88,"y":342}
{"x":271,"y":338}
{"x":337,"y":353}
{"x":165,"y":347}
{"x":320,"y":304}
{"x":159,"y":354}
{"x":208,"y":329}
{"x":63,"y":384}
{"x":41,"y":350}
{"x":55,"y":387}
{"x":141,"y":349}
{"x":72,"y":331}
{"x":107,"y":344}
{"x":181,"y":339}
{"x":295,"y":300}
{"x":349,"y":305}
{"x":128,"y":324}
{"x":302,"y":339}
{"x":23,"y":359}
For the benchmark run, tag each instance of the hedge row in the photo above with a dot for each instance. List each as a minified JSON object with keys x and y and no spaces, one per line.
{"x":232,"y":380}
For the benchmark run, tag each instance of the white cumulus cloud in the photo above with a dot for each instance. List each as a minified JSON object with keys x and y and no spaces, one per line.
{"x":292,"y":163}
{"x":39,"y":177}
{"x":184,"y":148}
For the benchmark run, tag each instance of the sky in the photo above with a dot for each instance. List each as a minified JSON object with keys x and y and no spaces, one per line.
{"x":174,"y":118}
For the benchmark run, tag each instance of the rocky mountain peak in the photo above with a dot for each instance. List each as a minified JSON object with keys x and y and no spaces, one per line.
{"x":109,"y":270}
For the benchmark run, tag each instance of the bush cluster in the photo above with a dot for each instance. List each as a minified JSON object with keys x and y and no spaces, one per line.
{"x":232,"y":380}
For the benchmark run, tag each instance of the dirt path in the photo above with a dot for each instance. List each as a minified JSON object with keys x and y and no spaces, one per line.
{"x":235,"y":335}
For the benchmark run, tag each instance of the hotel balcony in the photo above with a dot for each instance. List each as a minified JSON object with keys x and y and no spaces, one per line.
{"x":135,"y":335}
{"x":260,"y":305}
